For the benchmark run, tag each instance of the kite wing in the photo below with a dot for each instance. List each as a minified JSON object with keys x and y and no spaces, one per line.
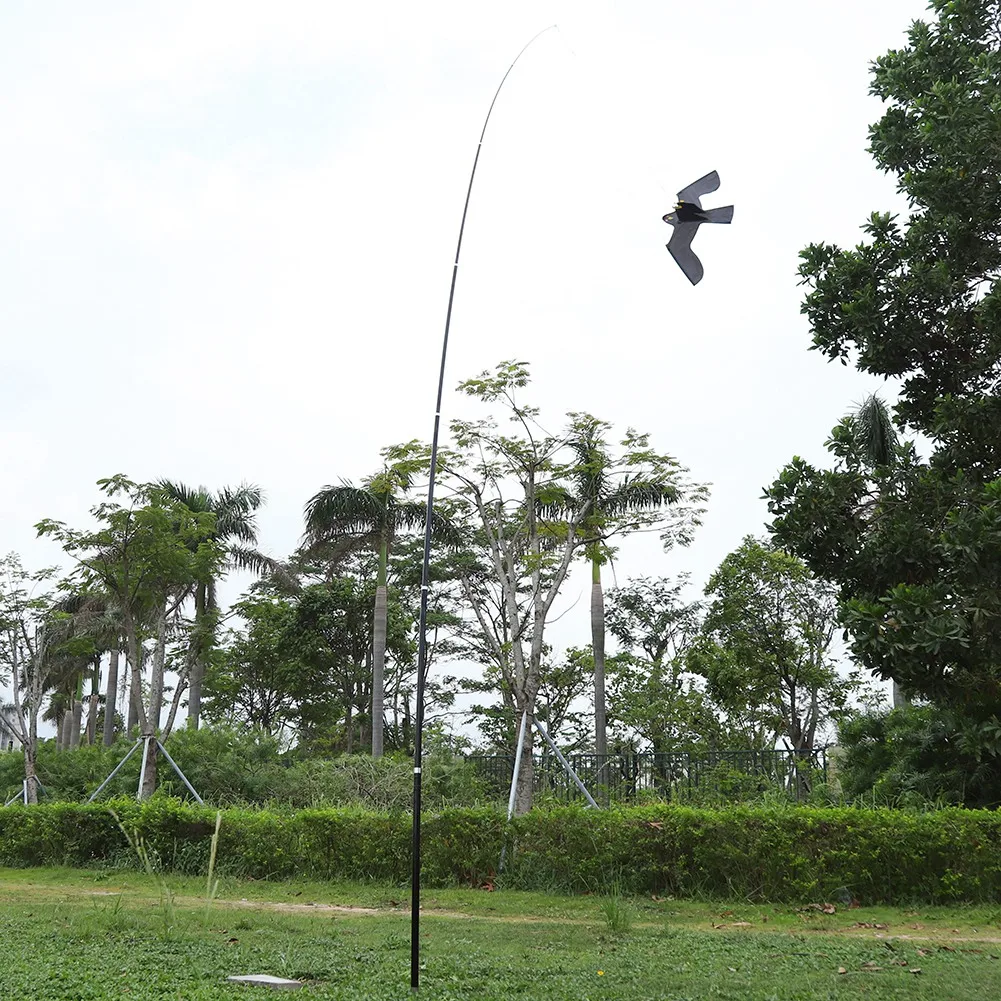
{"x":680,"y":247}
{"x":703,"y":186}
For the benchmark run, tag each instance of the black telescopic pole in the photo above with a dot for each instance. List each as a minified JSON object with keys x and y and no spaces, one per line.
{"x":422,"y":646}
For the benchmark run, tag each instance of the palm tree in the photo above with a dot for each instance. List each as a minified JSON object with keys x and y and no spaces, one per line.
{"x":86,"y":628}
{"x":236,"y":528}
{"x":346,"y":518}
{"x":877,"y":442}
{"x":611,"y":502}
{"x":875,"y":432}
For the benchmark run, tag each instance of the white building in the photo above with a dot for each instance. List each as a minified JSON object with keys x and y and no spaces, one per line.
{"x":8,"y":734}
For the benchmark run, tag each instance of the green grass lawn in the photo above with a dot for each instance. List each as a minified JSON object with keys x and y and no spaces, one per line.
{"x":75,"y":935}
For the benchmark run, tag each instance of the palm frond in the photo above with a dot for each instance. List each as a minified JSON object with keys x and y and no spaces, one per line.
{"x":875,"y":431}
{"x":334,"y":549}
{"x":197,"y":499}
{"x":235,"y":512}
{"x":553,"y":501}
{"x":446,"y":531}
{"x":591,"y":468}
{"x":638,"y":494}
{"x":233,"y":508}
{"x":281,"y":576}
{"x":406,"y":514}
{"x":245,"y":558}
{"x":344,"y":509}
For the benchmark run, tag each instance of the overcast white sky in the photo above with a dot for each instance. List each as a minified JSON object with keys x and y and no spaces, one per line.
{"x":227,"y":234}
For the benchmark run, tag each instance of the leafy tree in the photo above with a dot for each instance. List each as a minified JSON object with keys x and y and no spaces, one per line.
{"x":342,"y":519}
{"x":257,"y":678}
{"x":507,"y":492}
{"x":149,"y":552}
{"x":766,"y":653}
{"x":914,"y":546}
{"x":330,"y":631}
{"x":651,"y":616}
{"x":562,"y":685}
{"x":85,"y":625}
{"x":656,"y":698}
{"x":25,"y":612}
{"x":916,"y":755}
{"x":526,"y":505}
{"x":638,"y":490}
{"x":879,"y":444}
{"x":445,"y":624}
{"x":234,"y":511}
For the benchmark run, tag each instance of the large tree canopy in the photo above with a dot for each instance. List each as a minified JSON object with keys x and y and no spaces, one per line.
{"x":914,"y":543}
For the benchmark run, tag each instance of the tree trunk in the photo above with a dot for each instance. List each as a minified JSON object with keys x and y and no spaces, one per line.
{"x":526,"y":775}
{"x":135,"y":681}
{"x":135,"y":655}
{"x":525,"y":697}
{"x":93,"y":701}
{"x":406,"y":728}
{"x":27,"y":722}
{"x":148,"y":723}
{"x":76,"y":717}
{"x":149,"y":779}
{"x":135,"y":689}
{"x":92,"y":711}
{"x":30,"y":774}
{"x":900,"y":701}
{"x":378,"y":669}
{"x":598,"y":650}
{"x":156,"y":674}
{"x":198,"y":661}
{"x":65,"y":726}
{"x":182,"y":683}
{"x":111,"y":698}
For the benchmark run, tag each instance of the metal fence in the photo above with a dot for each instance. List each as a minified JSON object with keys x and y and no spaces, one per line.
{"x":677,"y":776}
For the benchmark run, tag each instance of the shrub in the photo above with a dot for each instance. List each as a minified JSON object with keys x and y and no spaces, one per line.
{"x":920,"y":756}
{"x":781,"y":854}
{"x":231,"y":767}
{"x":787,"y":853}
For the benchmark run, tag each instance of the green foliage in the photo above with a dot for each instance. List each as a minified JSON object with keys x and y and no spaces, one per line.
{"x":562,"y":684}
{"x":257,"y":677}
{"x":918,"y":755}
{"x":330,"y":632}
{"x":148,"y":545}
{"x":914,"y":544}
{"x":70,"y":775}
{"x":618,"y":917}
{"x":656,"y":700}
{"x":376,"y":783}
{"x":791,"y":853}
{"x":636,"y":490}
{"x":768,"y":630}
{"x":62,"y":940}
{"x":247,"y":767}
{"x":531,"y":502}
{"x":25,"y":612}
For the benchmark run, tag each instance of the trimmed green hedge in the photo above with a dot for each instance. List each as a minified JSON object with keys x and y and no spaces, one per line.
{"x":779,"y":854}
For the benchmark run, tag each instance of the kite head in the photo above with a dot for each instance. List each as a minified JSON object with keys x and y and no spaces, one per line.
{"x":672,"y":217}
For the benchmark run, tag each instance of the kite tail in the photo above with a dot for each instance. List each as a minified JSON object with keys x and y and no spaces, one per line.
{"x":724,"y":214}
